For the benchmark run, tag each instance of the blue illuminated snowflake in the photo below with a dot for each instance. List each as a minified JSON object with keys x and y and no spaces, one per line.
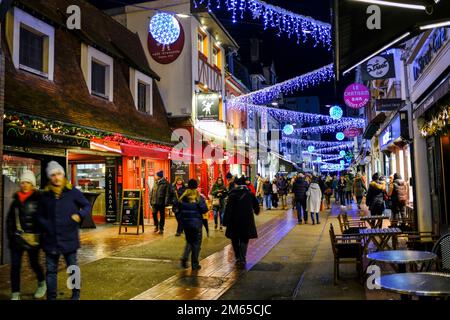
{"x":164,"y":28}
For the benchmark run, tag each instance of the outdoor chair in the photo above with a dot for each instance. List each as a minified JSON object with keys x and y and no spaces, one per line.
{"x":348,"y":250}
{"x":421,"y":241}
{"x":442,"y":250}
{"x":350,"y":226}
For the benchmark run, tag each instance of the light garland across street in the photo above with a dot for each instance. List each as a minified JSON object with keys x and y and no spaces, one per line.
{"x":317,"y":143}
{"x":330,"y":128}
{"x":284,"y":21}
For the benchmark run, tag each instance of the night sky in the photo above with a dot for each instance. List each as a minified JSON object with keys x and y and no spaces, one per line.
{"x":291,"y":59}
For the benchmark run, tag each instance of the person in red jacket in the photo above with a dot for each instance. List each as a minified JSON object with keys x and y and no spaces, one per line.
{"x":250,"y":186}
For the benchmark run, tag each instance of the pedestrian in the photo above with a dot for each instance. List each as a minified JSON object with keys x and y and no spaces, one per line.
{"x":275,"y":191}
{"x":342,"y":184}
{"x":219,"y":193}
{"x":348,"y":189}
{"x":22,"y":231}
{"x":299,"y":189}
{"x":60,"y":212}
{"x":375,"y":195}
{"x":334,"y":186}
{"x":359,"y":189}
{"x":267,"y":190}
{"x":282,"y":187}
{"x":159,"y":199}
{"x":398,"y":192}
{"x":231,"y":181}
{"x":178,"y":189}
{"x":328,"y":191}
{"x":259,"y":190}
{"x":250,"y":186}
{"x":192,"y":207}
{"x":314,"y":199}
{"x":240,"y":222}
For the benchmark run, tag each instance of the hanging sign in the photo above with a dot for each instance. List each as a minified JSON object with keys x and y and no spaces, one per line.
{"x":166,"y":53}
{"x":208,"y":106}
{"x":352,"y":132}
{"x":379,"y":67}
{"x":356,"y":95}
{"x":389,"y":104}
{"x":110,"y":190}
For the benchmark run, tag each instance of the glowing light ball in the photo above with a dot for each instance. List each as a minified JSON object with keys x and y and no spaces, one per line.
{"x":311,"y":149}
{"x":342,"y":153}
{"x":319,"y":159}
{"x":342,"y":162}
{"x":340,"y":136}
{"x":164,"y":28}
{"x":288,"y":129}
{"x":336,"y":112}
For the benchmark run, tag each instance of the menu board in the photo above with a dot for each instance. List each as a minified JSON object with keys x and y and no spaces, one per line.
{"x":179,"y":170}
{"x":131,"y":213}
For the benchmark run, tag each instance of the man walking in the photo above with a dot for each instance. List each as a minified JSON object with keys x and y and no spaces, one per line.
{"x":159,"y":199}
{"x":60,"y":212}
{"x":282,"y":187}
{"x":299,"y":189}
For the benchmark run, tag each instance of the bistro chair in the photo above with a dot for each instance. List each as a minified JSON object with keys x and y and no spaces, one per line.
{"x":346,"y":249}
{"x":350,"y":226}
{"x":442,"y":250}
{"x":421,"y":241}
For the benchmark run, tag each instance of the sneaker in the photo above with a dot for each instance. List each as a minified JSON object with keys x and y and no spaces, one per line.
{"x":15,"y":296}
{"x":41,"y":290}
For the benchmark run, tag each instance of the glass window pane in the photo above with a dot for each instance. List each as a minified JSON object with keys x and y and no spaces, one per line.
{"x":142,"y":97}
{"x":98,"y":83}
{"x":31,"y":49}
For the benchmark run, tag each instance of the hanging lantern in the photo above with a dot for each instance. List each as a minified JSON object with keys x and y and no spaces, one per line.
{"x":336,"y":112}
{"x":164,"y":28}
{"x":340,"y":136}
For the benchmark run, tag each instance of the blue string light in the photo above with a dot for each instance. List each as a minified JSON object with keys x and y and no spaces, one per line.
{"x":330,"y":128}
{"x":279,"y":19}
{"x":340,"y":136}
{"x":336,"y":112}
{"x":342,"y":153}
{"x":317,"y":143}
{"x":164,"y":28}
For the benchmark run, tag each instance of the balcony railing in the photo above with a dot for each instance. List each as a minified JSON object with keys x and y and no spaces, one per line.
{"x":209,"y":75}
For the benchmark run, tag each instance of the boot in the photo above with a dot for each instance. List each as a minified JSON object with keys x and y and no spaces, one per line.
{"x":41,"y":290}
{"x":317,"y":218}
{"x":15,"y":296}
{"x":312,"y":218}
{"x":184,"y":264}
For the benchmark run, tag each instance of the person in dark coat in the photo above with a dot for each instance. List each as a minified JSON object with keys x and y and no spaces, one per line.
{"x":375,"y":195}
{"x":159,"y":199}
{"x":398,"y":191}
{"x":239,"y":220}
{"x":178,"y":188}
{"x":22,"y":218}
{"x":192,"y":206}
{"x":342,"y":186}
{"x":282,"y":187}
{"x":299,"y":189}
{"x":219,"y":193}
{"x":268,"y":191}
{"x":60,"y":212}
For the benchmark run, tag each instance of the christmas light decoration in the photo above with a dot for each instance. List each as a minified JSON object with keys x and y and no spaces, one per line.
{"x":267,"y":95}
{"x":336,"y":112}
{"x":282,"y":20}
{"x":334,"y":149}
{"x":288,"y":129}
{"x":439,"y":123}
{"x":342,"y":153}
{"x":311,"y":149}
{"x":330,"y":128}
{"x":294,"y":116}
{"x":316,"y":143}
{"x":164,"y":28}
{"x":342,"y":162}
{"x":324,"y":157}
{"x":340,"y":136}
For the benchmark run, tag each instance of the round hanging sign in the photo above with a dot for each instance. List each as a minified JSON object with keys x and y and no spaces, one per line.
{"x":356,"y":95}
{"x":168,"y":45}
{"x":352,"y":132}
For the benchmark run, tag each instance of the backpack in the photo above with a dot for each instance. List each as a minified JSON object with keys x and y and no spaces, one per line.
{"x":402,"y":194}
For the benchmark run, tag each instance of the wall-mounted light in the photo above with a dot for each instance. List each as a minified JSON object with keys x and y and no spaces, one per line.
{"x":182,"y":15}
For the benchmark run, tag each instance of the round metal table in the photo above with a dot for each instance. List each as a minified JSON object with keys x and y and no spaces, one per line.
{"x":422,"y":284}
{"x":401,"y":257}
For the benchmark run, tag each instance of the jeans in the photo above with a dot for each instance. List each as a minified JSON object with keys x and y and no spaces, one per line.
{"x":218,"y":216}
{"x":398,"y":212}
{"x":179,"y":224}
{"x":162,"y":216}
{"x":268,"y":201}
{"x":193,"y":233}
{"x":359,"y":200}
{"x":52,"y":261}
{"x":240,"y":249}
{"x":283,"y":198}
{"x":301,"y":205}
{"x":342,"y":198}
{"x":349,"y":197}
{"x":16,"y":266}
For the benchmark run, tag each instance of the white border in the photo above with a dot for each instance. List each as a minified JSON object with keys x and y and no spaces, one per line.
{"x":136,"y":77}
{"x":98,"y":56}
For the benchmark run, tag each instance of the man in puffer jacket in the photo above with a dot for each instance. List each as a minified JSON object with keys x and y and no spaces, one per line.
{"x":192,"y":206}
{"x":398,"y":191}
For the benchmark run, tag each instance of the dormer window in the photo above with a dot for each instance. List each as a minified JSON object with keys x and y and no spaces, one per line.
{"x":141,"y":89}
{"x":98,"y":81}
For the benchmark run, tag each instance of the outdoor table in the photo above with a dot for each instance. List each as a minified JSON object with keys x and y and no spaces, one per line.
{"x":401,"y":257}
{"x":422,"y":284}
{"x":375,"y":221}
{"x":380,"y":237}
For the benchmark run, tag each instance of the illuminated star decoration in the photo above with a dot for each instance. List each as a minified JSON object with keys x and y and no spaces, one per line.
{"x":340,"y":136}
{"x":283,"y":21}
{"x":164,"y":28}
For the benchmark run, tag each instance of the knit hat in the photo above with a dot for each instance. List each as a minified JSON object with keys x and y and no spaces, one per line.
{"x":192,"y":184}
{"x":28,"y":176}
{"x":240,"y":181}
{"x":160,"y":174}
{"x":54,"y":167}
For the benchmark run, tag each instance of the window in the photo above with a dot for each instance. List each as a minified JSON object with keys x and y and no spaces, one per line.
{"x":98,"y":81}
{"x":142,"y":93}
{"x":32,"y":43}
{"x":31,"y":50}
{"x":217,"y":57}
{"x":202,"y":43}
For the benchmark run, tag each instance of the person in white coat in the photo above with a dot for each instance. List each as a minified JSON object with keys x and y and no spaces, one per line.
{"x":314,"y":199}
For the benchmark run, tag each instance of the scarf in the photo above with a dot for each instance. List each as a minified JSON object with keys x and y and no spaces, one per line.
{"x":23,"y":196}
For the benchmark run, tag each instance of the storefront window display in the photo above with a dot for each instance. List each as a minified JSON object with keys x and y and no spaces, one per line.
{"x":13,"y":167}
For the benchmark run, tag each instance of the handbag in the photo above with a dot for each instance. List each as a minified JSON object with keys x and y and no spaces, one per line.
{"x":26,"y":240}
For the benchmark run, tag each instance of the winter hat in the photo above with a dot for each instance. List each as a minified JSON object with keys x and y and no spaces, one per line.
{"x":229,"y":176}
{"x":192,"y":184}
{"x":28,"y":176}
{"x":240,"y":182}
{"x":54,"y":167}
{"x":160,"y":174}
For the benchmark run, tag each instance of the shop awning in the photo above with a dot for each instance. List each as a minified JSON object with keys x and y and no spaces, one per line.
{"x":142,"y":151}
{"x":374,"y":125}
{"x":106,"y":146}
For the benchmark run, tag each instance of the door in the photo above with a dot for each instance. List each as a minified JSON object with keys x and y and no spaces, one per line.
{"x":434,"y":174}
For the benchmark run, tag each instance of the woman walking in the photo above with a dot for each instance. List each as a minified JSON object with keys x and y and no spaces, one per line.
{"x":219,"y":193}
{"x":342,"y":184}
{"x":178,"y":189}
{"x":275,"y":197}
{"x":267,"y":190}
{"x":239,"y":220}
{"x":192,"y":206}
{"x":375,"y":196}
{"x":328,"y":191}
{"x":22,"y":231}
{"x":359,"y":188}
{"x":314,"y":199}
